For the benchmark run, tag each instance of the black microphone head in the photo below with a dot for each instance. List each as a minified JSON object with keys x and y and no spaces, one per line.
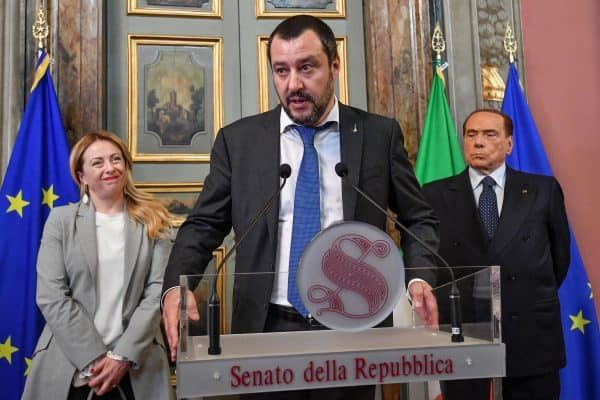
{"x":341,"y":170}
{"x":285,"y":171}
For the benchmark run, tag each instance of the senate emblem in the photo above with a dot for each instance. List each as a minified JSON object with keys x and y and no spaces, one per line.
{"x":351,"y":276}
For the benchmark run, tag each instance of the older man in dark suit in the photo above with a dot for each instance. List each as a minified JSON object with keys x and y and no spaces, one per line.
{"x":312,"y":132}
{"x":491,"y":214}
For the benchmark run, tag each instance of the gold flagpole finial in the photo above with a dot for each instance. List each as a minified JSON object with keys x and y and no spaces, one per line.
{"x":438,"y":44}
{"x":40,"y":28}
{"x":510,"y":43}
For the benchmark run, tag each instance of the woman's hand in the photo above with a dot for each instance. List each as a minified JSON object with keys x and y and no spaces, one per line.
{"x":106,"y":374}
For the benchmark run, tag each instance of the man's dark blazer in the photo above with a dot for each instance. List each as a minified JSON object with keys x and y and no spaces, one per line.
{"x":532,"y":248}
{"x":244,"y":172}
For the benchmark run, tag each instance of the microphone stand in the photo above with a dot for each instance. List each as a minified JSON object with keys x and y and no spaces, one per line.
{"x":214,"y":304}
{"x":455,"y":317}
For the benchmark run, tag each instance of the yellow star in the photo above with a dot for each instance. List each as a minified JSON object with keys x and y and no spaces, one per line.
{"x":28,"y":362}
{"x":579,"y":322}
{"x":591,"y":292}
{"x":6,"y":350}
{"x":49,"y":197}
{"x":17,"y":203}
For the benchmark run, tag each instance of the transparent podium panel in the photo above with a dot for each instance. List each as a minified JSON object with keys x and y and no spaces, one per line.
{"x":234,"y":346}
{"x":479,"y":299}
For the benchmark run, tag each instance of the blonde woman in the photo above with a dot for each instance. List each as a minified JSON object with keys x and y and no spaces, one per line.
{"x":100,"y":269}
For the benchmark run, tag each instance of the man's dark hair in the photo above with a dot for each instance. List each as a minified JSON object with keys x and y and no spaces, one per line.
{"x":508,"y":124}
{"x":295,"y":26}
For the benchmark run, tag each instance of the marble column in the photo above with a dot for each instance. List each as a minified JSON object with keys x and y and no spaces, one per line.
{"x":398,"y":58}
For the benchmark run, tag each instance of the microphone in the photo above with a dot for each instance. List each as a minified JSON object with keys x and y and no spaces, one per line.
{"x":456,"y":320}
{"x":214,"y":310}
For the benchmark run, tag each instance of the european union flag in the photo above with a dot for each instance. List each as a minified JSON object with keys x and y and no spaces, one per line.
{"x":37,"y":179}
{"x":580,"y":379}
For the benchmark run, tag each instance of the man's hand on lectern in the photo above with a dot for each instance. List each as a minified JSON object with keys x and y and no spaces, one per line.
{"x":170,"y":316}
{"x":424,"y":303}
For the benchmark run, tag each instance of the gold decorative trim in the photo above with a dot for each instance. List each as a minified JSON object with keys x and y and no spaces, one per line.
{"x":492,"y":84}
{"x":510,"y":43}
{"x":219,"y":255}
{"x":263,"y":73}
{"x":438,"y":43}
{"x":343,"y":73}
{"x":40,"y":71}
{"x":264,"y":68}
{"x":338,"y":12}
{"x":40,"y":28}
{"x":216,"y":10}
{"x":133,"y":41}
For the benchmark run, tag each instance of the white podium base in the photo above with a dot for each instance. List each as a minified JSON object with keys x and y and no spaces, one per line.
{"x":267,"y":362}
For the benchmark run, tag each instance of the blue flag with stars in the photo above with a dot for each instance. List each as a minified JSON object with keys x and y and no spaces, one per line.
{"x":37,"y":179}
{"x":580,"y":379}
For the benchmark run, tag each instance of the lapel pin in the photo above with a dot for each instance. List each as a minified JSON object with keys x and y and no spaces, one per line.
{"x":354,"y":130}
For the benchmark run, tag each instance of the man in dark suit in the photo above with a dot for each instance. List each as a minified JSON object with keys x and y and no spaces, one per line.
{"x":245,"y":160}
{"x":517,"y":221}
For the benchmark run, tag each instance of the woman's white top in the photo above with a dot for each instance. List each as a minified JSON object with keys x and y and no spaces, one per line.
{"x":110,"y":290}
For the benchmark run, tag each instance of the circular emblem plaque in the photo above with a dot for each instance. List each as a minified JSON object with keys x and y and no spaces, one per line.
{"x":351,"y":276}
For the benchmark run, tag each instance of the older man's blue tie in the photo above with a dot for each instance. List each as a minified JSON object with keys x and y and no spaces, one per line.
{"x":307,"y":212}
{"x":488,"y":213}
{"x":488,"y":207}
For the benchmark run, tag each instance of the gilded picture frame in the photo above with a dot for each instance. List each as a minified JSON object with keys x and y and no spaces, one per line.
{"x":288,"y":8}
{"x":267,"y":97}
{"x":175,"y":102}
{"x":179,"y":198}
{"x":176,"y":8}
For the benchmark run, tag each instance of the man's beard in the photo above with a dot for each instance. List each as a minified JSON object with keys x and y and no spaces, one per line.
{"x":319,"y":106}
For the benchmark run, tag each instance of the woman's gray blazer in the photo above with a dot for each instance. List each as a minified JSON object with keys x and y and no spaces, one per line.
{"x":66,"y":294}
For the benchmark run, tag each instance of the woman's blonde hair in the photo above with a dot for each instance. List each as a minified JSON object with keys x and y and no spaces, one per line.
{"x":141,"y":206}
